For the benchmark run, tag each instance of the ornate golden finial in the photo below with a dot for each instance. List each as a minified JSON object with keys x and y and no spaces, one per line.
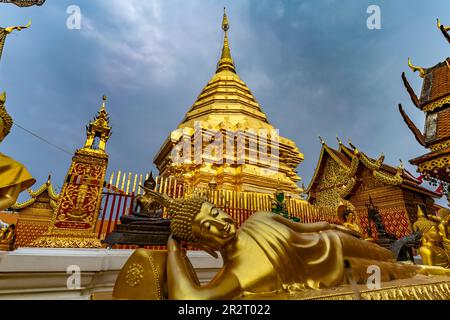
{"x":18,"y":28}
{"x":338,"y":140}
{"x":226,"y":62}
{"x":98,"y":127}
{"x":103,"y":103}
{"x":49,"y":178}
{"x":446,"y":28}
{"x":351,"y":144}
{"x":416,"y":68}
{"x":400,"y":169}
{"x":225,"y":25}
{"x":380,"y":159}
{"x":448,"y":64}
{"x":7,"y":120}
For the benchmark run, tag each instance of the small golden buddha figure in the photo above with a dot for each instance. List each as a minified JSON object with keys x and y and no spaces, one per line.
{"x":431,"y":251}
{"x":444,"y":229}
{"x":14,"y":177}
{"x":350,"y":223}
{"x":7,"y":237}
{"x":268,"y":253}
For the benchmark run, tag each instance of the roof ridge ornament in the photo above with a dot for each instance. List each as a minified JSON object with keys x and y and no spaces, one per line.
{"x":446,"y":28}
{"x":416,"y":68}
{"x":321,"y":140}
{"x":18,"y":28}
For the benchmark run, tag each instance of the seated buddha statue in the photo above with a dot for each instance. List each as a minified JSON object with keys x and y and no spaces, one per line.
{"x":145,"y":225}
{"x":146,"y":206}
{"x":350,"y":223}
{"x":268,"y":253}
{"x":444,"y":228}
{"x":14,"y":177}
{"x":431,"y":250}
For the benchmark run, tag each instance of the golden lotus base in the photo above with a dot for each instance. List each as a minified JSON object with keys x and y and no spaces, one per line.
{"x":67,"y":241}
{"x":418,"y":288}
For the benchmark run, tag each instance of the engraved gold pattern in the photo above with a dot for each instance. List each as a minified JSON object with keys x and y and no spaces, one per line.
{"x":439,"y":146}
{"x":438,"y":163}
{"x":135,"y":274}
{"x":436,"y":104}
{"x":435,"y":291}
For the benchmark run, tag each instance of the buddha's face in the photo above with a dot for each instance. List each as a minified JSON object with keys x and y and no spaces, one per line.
{"x":351,"y":217}
{"x":214,"y":227}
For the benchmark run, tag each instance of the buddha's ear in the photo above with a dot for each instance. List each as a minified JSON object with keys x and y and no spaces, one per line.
{"x":207,"y":249}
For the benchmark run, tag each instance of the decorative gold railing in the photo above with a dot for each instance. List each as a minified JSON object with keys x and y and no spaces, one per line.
{"x":239,"y":205}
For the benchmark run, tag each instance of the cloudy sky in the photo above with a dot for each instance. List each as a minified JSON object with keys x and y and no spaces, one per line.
{"x":314,"y":67}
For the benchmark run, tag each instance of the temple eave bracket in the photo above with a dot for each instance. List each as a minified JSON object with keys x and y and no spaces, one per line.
{"x":417,"y":134}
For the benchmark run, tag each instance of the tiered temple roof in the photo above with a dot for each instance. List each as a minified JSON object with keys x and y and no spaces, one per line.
{"x":434,"y":101}
{"x":348,"y":177}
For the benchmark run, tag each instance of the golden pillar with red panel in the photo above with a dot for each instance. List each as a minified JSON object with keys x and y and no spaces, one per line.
{"x":74,"y":220}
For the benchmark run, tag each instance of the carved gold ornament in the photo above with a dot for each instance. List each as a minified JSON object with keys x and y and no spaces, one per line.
{"x":438,"y":163}
{"x":416,"y":68}
{"x":135,"y":274}
{"x":440,"y":146}
{"x":436,"y":104}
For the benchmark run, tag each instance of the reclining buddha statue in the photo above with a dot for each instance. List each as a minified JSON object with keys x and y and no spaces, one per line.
{"x":268,"y":253}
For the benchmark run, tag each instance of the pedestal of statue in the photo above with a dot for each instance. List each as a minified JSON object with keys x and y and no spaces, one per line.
{"x":140,"y":230}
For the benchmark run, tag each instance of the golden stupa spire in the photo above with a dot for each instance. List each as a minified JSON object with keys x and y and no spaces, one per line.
{"x":99,"y":127}
{"x":225,"y":62}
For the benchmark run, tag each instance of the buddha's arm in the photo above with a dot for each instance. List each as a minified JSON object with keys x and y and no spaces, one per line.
{"x":443,"y":231}
{"x":427,"y":257}
{"x":184,"y":285}
{"x":311,"y":227}
{"x":8,"y":196}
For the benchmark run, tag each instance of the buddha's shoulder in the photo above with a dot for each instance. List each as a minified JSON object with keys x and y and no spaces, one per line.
{"x":8,"y":161}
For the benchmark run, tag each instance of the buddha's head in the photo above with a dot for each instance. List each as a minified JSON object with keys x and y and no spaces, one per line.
{"x":5,"y":119}
{"x":349,"y":216}
{"x":150,"y":183}
{"x":197,"y":220}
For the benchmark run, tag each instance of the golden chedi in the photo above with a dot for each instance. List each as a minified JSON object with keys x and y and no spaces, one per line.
{"x":226,"y":137}
{"x":14,"y":177}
